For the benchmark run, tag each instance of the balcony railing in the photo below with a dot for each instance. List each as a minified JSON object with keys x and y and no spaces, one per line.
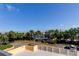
{"x":59,"y":50}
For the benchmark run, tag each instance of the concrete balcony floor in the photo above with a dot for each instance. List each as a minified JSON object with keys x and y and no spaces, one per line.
{"x":38,"y":53}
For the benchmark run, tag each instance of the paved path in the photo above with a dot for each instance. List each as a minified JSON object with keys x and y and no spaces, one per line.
{"x":19,"y":43}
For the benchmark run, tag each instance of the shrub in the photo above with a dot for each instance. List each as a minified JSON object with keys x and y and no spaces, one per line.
{"x":2,"y":47}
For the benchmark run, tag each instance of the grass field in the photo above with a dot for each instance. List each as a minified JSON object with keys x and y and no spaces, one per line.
{"x":2,"y":47}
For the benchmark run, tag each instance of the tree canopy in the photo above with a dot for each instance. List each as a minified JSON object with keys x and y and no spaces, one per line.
{"x":72,"y":34}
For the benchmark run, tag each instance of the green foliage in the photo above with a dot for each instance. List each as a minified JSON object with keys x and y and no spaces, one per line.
{"x":2,"y":47}
{"x":53,"y":41}
{"x":4,"y":38}
{"x":50,"y":34}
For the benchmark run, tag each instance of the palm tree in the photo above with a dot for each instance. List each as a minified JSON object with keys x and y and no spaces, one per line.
{"x":4,"y":38}
{"x":12,"y":36}
{"x":72,"y":32}
{"x":28,"y":36}
{"x":46,"y":34}
{"x":1,"y":39}
{"x":19,"y":36}
{"x":38,"y":35}
{"x":31,"y":33}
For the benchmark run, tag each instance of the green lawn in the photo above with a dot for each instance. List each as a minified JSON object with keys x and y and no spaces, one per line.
{"x":2,"y":47}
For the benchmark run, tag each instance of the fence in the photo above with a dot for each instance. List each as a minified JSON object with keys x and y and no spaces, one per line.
{"x":58,"y":50}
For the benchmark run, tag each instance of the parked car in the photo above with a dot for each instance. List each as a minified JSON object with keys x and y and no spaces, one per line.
{"x":77,"y":48}
{"x":67,"y":47}
{"x":70,"y":47}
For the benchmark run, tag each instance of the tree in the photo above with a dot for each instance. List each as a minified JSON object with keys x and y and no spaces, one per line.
{"x":19,"y":36}
{"x":31,"y":34}
{"x":27,"y":36}
{"x":12,"y":36}
{"x":72,"y":32}
{"x":4,"y":39}
{"x":47,"y":34}
{"x":66,"y":34}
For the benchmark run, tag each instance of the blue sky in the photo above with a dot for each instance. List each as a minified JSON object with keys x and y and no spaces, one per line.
{"x":24,"y":17}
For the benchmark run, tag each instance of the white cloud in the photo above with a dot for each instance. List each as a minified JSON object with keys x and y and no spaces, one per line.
{"x":8,"y":7}
{"x":61,"y":25}
{"x":11,"y":8}
{"x":75,"y":25}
